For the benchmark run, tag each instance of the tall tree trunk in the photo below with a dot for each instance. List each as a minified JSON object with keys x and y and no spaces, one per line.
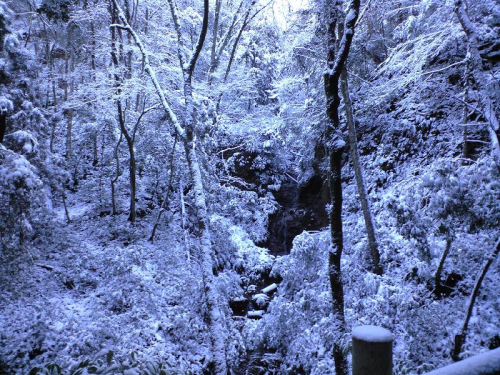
{"x":460,"y":337}
{"x":93,"y":54}
{"x":117,"y":175}
{"x":132,"y":164}
{"x":232,"y":55}
{"x":52,"y":137}
{"x":335,"y":145}
{"x":3,"y":126}
{"x":246,"y":20}
{"x":66,"y":212}
{"x":187,"y":245}
{"x":223,"y":44}
{"x":479,"y":76}
{"x":95,"y":137}
{"x":123,"y":128}
{"x":186,"y":134}
{"x":132,"y":171}
{"x":213,"y":56}
{"x":165,"y":203}
{"x":69,"y":137}
{"x":206,"y":258}
{"x":465,"y":117}
{"x":69,"y":84}
{"x":358,"y":172}
{"x":438,"y":287}
{"x":207,"y":254}
{"x":214,"y":33}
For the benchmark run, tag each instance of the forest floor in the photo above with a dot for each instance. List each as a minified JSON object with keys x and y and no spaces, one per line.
{"x":91,"y":286}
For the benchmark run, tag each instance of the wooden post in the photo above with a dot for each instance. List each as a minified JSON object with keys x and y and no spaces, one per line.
{"x":371,"y":351}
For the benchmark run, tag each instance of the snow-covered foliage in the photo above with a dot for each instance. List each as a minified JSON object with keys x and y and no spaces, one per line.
{"x":86,"y":135}
{"x":21,"y":196}
{"x":299,"y":323}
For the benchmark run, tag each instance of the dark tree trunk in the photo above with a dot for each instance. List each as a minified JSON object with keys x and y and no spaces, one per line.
{"x":335,"y":254}
{"x":438,"y":287}
{"x":94,"y":144}
{"x":52,"y":137}
{"x":3,"y":126}
{"x":461,"y":336}
{"x":335,"y":145}
{"x":117,"y":175}
{"x":166,"y":202}
{"x":66,"y":212}
{"x":123,"y":128}
{"x":478,"y":77}
{"x":132,"y":170}
{"x":358,"y":172}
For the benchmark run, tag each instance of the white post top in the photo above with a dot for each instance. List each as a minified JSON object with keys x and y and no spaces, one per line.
{"x":370,"y":333}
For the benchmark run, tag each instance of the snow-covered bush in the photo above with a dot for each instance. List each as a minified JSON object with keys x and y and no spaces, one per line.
{"x":20,"y":195}
{"x":236,"y":250}
{"x":120,"y":299}
{"x":299,"y":323}
{"x":23,"y":142}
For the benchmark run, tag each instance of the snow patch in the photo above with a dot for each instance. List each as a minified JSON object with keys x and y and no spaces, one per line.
{"x":484,"y":363}
{"x":371,"y":333}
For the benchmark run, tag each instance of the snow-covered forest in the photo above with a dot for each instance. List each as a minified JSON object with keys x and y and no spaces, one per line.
{"x":230,"y":186}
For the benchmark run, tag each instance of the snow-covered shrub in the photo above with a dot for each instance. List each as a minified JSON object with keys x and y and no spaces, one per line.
{"x":299,"y":323}
{"x":246,"y":209}
{"x":106,"y":363}
{"x":465,"y":197}
{"x":20,"y":195}
{"x":450,"y":199}
{"x":23,"y":142}
{"x":121,"y":299}
{"x":236,"y":249}
{"x":6,"y":105}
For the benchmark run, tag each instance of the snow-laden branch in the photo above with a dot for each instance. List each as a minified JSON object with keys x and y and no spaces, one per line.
{"x":147,"y":67}
{"x":180,"y":41}
{"x":445,"y":68}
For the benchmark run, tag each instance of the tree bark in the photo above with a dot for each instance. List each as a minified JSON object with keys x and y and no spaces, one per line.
{"x":183,"y":222}
{"x":3,"y":126}
{"x":460,"y":337}
{"x":129,"y":135}
{"x":223,"y":44}
{"x":52,"y":137}
{"x":166,"y":202}
{"x":69,"y":83}
{"x":132,"y":171}
{"x":478,"y":74}
{"x":233,"y":51}
{"x":69,"y":137}
{"x":66,"y":212}
{"x":123,"y":129}
{"x":214,"y":35}
{"x":117,"y":175}
{"x":358,"y":172}
{"x":465,"y":116}
{"x":94,"y":146}
{"x":438,"y":287}
{"x":180,"y":42}
{"x":237,"y":40}
{"x":335,"y":146}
